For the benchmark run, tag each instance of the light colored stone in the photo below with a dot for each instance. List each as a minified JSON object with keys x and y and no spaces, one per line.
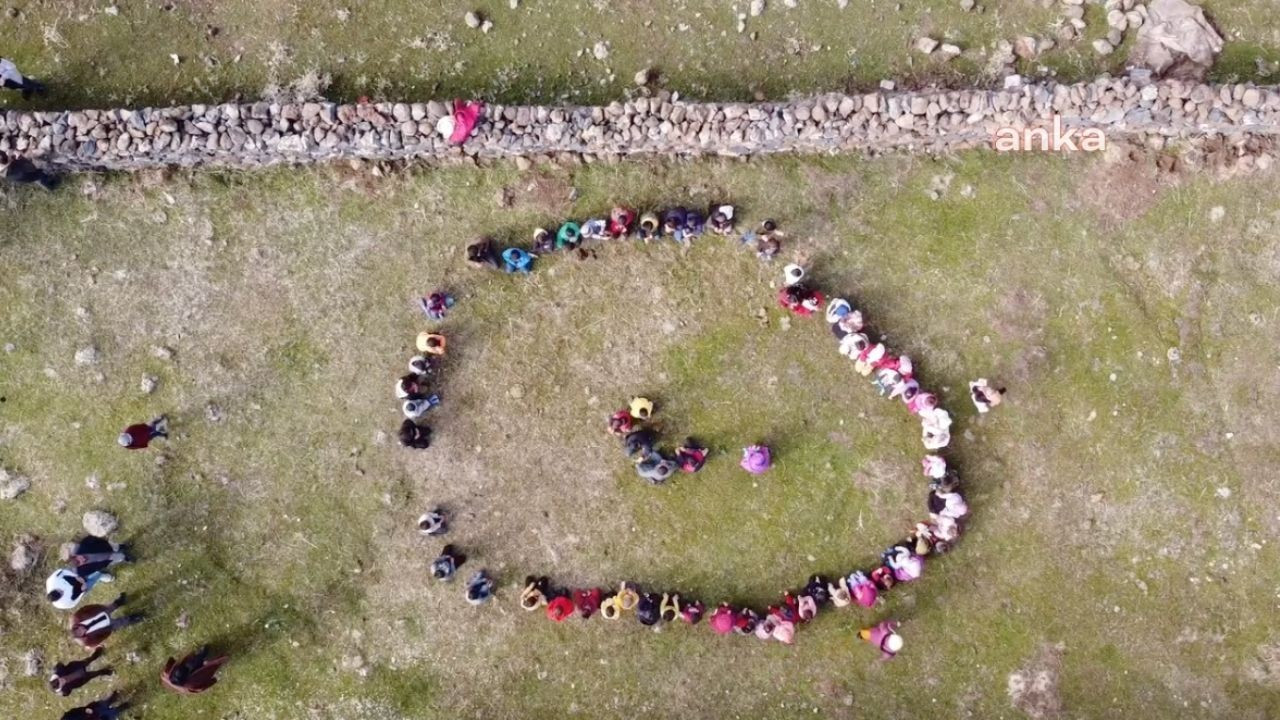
{"x":1103,"y":47}
{"x":147,"y":385}
{"x":23,"y":556}
{"x":926,"y":45}
{"x":600,"y":51}
{"x":87,"y":355}
{"x":472,"y":19}
{"x":757,"y":7}
{"x":100,"y":523}
{"x":12,"y":486}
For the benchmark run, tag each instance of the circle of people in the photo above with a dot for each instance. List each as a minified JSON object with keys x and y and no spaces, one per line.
{"x":890,"y":373}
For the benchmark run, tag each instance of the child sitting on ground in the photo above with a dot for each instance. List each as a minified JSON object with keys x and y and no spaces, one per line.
{"x":721,"y":221}
{"x":444,"y":566}
{"x":984,"y":396}
{"x":483,"y":254}
{"x":479,"y":588}
{"x":620,"y":221}
{"x":691,"y":456}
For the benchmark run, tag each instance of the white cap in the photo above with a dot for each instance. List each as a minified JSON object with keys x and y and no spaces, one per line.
{"x":893,"y":643}
{"x":792,"y":274}
{"x":444,"y":126}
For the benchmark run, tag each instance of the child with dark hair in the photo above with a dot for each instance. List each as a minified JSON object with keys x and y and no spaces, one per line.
{"x":543,"y":241}
{"x":479,"y":588}
{"x":691,"y":456}
{"x":620,"y":221}
{"x":21,"y":170}
{"x":444,"y":566}
{"x":649,"y":609}
{"x":483,"y":253}
{"x":639,"y":443}
{"x":193,"y":674}
{"x":69,"y":677}
{"x":433,"y":523}
{"x":721,"y":221}
{"x":105,"y":709}
{"x":413,"y":435}
{"x":91,"y":625}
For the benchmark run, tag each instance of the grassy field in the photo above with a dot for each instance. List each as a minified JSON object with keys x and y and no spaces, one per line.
{"x":104,"y":53}
{"x":1122,"y":557}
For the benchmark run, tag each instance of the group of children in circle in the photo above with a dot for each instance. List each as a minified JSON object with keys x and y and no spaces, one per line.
{"x":890,"y":373}
{"x":678,"y":224}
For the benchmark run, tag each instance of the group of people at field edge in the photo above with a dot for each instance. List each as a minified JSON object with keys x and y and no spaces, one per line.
{"x":640,"y":443}
{"x":90,"y":626}
{"x":891,"y":375}
{"x":678,"y":224}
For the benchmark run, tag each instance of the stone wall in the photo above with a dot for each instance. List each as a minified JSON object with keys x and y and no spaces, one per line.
{"x":262,"y":133}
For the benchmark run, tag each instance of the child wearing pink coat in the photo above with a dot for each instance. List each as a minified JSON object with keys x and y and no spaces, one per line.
{"x":885,"y":637}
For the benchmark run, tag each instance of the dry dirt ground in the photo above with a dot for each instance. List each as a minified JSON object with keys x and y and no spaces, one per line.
{"x":1122,"y":556}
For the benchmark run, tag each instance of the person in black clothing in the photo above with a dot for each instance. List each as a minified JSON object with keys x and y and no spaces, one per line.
{"x":22,"y":170}
{"x":639,"y":444}
{"x":105,"y":709}
{"x":415,"y":436}
{"x":11,"y":78}
{"x":94,"y":555}
{"x":71,"y":676}
{"x":482,"y":253}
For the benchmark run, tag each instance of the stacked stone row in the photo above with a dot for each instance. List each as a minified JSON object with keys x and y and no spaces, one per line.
{"x":264,"y":133}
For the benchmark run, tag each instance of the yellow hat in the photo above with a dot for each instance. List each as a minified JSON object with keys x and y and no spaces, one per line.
{"x":431,"y":343}
{"x":641,"y":408}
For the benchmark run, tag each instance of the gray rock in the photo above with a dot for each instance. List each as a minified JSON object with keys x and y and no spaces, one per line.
{"x":147,"y":385}
{"x":32,"y":661}
{"x":23,"y":556}
{"x":12,"y":486}
{"x":87,"y":356}
{"x":472,"y":19}
{"x":100,"y":523}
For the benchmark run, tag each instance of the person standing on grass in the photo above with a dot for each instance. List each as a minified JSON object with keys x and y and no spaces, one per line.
{"x":885,"y":637}
{"x":69,"y":677}
{"x":105,"y":709}
{"x":19,"y":170}
{"x":140,"y":435}
{"x":193,"y":674}
{"x":13,"y":79}
{"x":91,"y":625}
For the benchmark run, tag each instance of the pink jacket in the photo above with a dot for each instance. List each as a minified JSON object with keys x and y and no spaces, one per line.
{"x":880,"y":633}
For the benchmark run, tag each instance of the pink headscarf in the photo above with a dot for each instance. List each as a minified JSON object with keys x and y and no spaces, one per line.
{"x":862,"y":589}
{"x":722,"y":619}
{"x":465,"y":116}
{"x":756,"y":459}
